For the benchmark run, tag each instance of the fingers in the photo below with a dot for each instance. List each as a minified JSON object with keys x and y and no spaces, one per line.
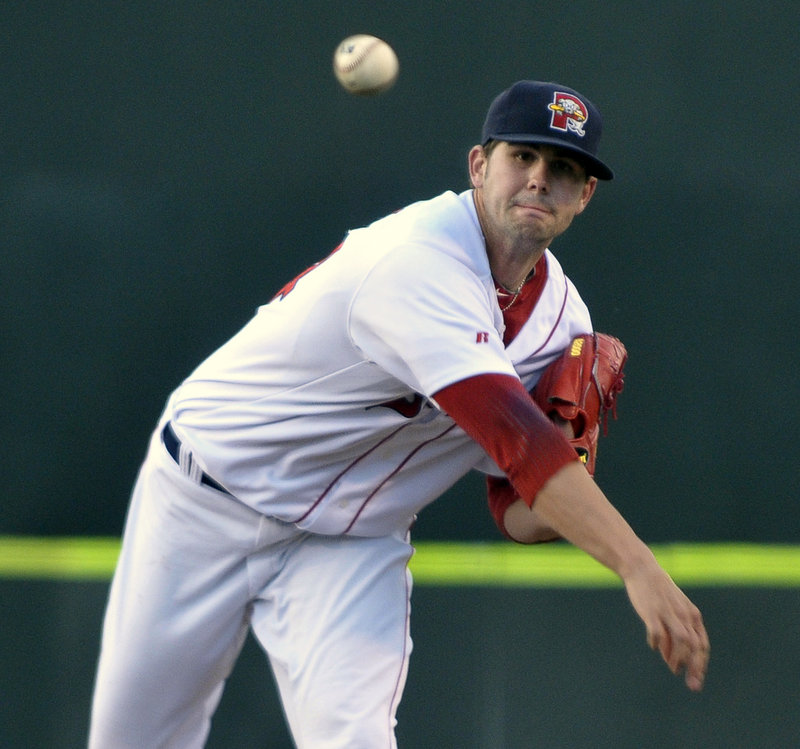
{"x":697,"y":664}
{"x":695,"y":652}
{"x":684,"y":649}
{"x":696,"y":670}
{"x":674,"y":624}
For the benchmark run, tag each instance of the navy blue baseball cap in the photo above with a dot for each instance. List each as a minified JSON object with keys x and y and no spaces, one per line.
{"x":551,"y":114}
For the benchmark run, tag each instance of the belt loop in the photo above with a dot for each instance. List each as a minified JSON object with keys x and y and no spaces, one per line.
{"x":189,"y":465}
{"x":185,"y":460}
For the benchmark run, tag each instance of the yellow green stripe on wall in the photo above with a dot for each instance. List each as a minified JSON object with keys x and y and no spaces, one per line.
{"x":444,"y":563}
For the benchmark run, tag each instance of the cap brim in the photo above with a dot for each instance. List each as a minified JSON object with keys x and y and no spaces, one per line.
{"x":594,"y":167}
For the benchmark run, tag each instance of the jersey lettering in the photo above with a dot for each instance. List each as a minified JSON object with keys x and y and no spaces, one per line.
{"x":482,"y":337}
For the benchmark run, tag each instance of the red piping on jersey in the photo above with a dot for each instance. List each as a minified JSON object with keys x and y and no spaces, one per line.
{"x":419,"y":447}
{"x":519,"y":311}
{"x":344,"y":471}
{"x":403,"y":672}
{"x":396,"y":470}
{"x":558,"y":319}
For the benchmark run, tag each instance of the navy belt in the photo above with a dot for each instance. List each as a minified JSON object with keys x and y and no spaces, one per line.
{"x":173,"y":445}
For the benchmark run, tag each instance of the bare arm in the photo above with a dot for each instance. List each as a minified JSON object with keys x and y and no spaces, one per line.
{"x":559,"y":497}
{"x":574,"y":506}
{"x":535,"y":530}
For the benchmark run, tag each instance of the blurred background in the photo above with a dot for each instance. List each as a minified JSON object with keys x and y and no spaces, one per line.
{"x":166,"y":167}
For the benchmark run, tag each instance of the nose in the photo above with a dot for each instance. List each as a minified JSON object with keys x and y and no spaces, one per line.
{"x":539,"y":176}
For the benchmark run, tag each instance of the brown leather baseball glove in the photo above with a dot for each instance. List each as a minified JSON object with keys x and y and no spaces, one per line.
{"x":581,"y":387}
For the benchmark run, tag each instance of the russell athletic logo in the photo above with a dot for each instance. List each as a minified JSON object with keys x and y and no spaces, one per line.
{"x":568,"y":113}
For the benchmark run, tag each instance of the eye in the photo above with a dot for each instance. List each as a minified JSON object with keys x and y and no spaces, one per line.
{"x":525,"y":156}
{"x":564,"y":166}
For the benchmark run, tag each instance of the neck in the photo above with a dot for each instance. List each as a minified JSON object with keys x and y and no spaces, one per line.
{"x":511,"y":259}
{"x":512,"y":275}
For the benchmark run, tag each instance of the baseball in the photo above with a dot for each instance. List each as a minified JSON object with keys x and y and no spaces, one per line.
{"x":365,"y":65}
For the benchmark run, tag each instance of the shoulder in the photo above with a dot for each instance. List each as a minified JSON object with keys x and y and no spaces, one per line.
{"x":445,"y":226}
{"x":442,"y":212}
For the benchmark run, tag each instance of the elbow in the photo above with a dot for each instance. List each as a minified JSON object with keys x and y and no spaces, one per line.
{"x":523,"y":525}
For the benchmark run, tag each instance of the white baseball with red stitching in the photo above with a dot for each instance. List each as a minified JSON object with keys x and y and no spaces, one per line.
{"x":365,"y":65}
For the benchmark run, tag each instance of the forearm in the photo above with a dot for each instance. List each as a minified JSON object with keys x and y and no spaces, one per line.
{"x":572,"y":506}
{"x":558,"y":496}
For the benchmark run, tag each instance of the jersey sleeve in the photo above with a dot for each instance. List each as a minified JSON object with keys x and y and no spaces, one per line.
{"x":499,"y":414}
{"x":427,"y":319}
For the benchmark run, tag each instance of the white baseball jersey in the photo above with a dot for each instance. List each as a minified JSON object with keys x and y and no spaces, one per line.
{"x":320,"y":411}
{"x":318,"y":415}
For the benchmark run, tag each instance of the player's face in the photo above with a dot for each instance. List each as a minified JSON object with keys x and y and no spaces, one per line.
{"x":528,"y":194}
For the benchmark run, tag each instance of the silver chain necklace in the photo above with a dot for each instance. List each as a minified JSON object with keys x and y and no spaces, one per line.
{"x":514,"y":294}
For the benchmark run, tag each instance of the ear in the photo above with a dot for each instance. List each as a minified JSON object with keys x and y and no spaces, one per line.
{"x":477,"y":165}
{"x":586,"y":195}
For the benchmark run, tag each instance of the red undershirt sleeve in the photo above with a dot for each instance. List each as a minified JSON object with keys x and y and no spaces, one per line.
{"x":499,"y":414}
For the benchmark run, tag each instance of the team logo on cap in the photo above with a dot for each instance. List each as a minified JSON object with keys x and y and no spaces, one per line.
{"x":568,"y":113}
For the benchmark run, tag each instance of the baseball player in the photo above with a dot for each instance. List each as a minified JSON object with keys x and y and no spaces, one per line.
{"x":286,"y":471}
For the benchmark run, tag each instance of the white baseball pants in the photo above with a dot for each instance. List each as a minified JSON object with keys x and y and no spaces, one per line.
{"x":197,"y":568}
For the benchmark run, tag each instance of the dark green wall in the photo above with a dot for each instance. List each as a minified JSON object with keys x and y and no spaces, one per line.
{"x":167,"y":166}
{"x":491,"y":669}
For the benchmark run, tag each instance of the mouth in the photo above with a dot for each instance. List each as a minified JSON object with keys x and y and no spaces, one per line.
{"x":534,"y":209}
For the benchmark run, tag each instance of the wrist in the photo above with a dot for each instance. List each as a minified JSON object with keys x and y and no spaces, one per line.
{"x":636,"y":561}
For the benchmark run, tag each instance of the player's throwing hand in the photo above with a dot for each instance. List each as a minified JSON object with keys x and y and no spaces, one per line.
{"x":674,"y":624}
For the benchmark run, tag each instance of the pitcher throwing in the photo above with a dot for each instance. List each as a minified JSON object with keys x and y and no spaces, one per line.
{"x":286,"y":471}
